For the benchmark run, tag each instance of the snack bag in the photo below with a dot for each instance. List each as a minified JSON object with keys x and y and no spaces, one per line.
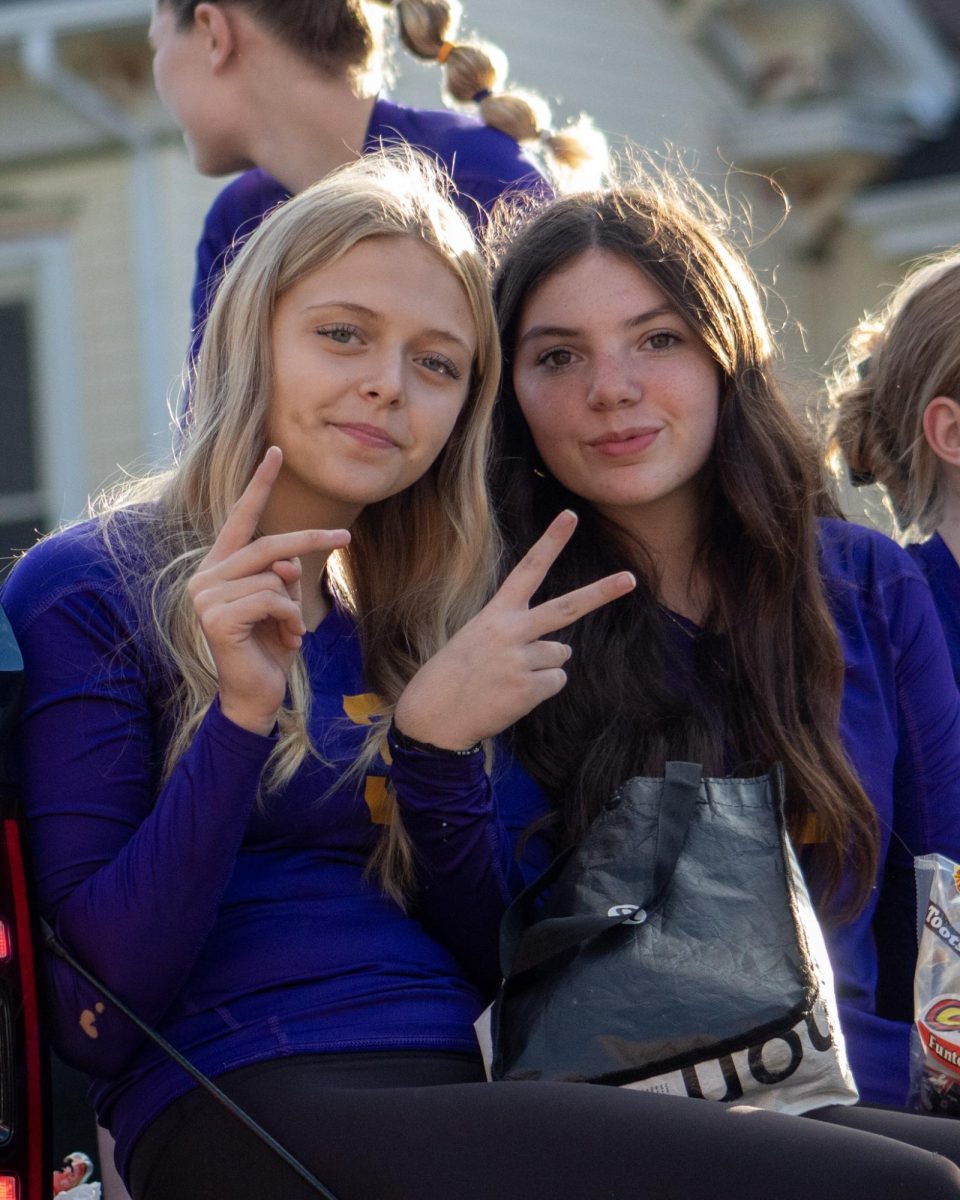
{"x":935,"y":1049}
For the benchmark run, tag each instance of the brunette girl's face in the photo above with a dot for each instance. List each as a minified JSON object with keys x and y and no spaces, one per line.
{"x":620,"y":393}
{"x":372,"y":359}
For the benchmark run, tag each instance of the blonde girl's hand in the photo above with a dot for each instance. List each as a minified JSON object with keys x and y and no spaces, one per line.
{"x":246,"y":593}
{"x":499,"y":667}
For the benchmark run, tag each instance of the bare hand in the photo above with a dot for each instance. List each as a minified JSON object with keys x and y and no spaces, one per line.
{"x":246,"y":593}
{"x":498,"y":668}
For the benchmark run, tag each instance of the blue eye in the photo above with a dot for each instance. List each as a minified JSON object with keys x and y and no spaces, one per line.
{"x":441,"y":365}
{"x":341,"y":334}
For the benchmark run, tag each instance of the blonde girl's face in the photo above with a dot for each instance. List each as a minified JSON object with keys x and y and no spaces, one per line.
{"x":372,"y":362}
{"x":621,"y":395}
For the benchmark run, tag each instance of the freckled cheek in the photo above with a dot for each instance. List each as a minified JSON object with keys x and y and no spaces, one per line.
{"x":558,"y":437}
{"x":544,"y":442}
{"x":544,"y":416}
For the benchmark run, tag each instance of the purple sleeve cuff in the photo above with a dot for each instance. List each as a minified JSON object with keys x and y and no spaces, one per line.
{"x":237,"y":739}
{"x":439,"y":784}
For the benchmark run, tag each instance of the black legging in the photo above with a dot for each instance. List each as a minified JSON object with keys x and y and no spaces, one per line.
{"x":524,"y":1141}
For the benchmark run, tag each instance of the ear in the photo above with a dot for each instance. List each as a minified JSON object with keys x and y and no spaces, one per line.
{"x":216,"y":25}
{"x":941,"y":428}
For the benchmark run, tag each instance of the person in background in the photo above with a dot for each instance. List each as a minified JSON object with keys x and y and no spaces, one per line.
{"x":287,"y":90}
{"x":640,"y":391}
{"x":896,"y":393}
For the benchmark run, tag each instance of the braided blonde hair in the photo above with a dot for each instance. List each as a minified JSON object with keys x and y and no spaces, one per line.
{"x":475,"y":73}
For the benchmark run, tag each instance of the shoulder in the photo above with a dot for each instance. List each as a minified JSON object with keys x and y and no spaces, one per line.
{"x":880,"y":601}
{"x":76,"y":562}
{"x":475,"y":155}
{"x":865,"y":560}
{"x":934,"y":559}
{"x":243,"y":202}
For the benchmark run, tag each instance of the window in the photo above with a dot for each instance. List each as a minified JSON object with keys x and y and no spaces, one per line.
{"x":42,"y":437}
{"x":22,"y":502}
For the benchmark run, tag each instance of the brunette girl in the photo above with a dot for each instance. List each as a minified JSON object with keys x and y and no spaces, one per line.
{"x":640,"y":391}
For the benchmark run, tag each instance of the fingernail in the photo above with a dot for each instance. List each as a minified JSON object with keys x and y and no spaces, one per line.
{"x":626,"y":579}
{"x":569,"y":653}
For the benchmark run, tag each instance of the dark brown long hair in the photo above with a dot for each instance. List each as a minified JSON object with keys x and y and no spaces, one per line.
{"x":763,"y":683}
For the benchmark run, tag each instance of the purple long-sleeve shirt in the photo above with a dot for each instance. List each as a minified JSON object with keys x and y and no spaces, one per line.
{"x":900,"y":725}
{"x":244,"y":929}
{"x":483,"y":163}
{"x":942,"y":572}
{"x":250,"y":932}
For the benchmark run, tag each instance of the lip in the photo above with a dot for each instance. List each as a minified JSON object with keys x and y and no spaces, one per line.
{"x":366,"y":435}
{"x":621,"y":443}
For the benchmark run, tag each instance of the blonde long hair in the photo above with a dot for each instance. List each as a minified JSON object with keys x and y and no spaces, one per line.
{"x":420,"y":563}
{"x":894,"y":363}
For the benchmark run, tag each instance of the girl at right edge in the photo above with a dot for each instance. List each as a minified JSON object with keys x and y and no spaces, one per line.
{"x":897,"y":422}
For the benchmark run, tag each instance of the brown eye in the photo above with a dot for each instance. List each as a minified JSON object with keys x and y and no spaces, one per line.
{"x":555,"y":359}
{"x":663,"y":340}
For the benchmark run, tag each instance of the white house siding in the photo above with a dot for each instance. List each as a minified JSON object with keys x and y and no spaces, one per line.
{"x":90,"y":219}
{"x":620,"y":60}
{"x":87,"y":204}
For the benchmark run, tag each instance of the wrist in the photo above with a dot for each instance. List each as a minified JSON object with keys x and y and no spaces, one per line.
{"x":405,"y":742}
{"x":246,"y":717}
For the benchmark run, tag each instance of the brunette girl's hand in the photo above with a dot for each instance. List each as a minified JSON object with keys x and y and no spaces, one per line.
{"x":498,"y":668}
{"x":246,"y":593}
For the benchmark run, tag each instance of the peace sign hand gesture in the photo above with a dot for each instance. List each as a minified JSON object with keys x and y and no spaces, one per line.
{"x":498,"y":668}
{"x":246,"y":593}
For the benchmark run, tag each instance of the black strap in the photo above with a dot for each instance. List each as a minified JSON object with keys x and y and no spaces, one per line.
{"x":525,"y":945}
{"x":53,"y":943}
{"x":521,"y":914}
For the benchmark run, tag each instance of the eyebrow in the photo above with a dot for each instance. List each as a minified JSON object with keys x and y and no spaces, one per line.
{"x":563,"y":331}
{"x":362,"y":311}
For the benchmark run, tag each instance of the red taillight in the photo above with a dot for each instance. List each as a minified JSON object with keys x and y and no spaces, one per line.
{"x":6,"y":946}
{"x":32,"y":1187}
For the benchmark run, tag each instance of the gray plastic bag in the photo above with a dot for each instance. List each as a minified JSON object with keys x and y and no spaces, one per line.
{"x":677,"y":951}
